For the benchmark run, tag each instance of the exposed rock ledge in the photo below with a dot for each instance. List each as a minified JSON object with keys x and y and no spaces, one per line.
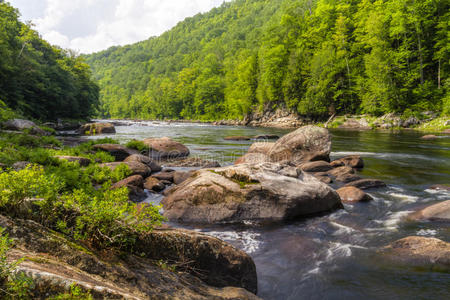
{"x":55,"y":263}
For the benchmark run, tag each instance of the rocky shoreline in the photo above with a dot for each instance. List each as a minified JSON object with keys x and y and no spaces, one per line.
{"x":287,"y":179}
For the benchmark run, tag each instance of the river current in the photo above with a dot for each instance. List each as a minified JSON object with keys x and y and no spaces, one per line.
{"x":333,"y":256}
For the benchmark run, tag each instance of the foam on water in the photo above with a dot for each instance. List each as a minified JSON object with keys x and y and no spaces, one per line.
{"x":404,"y":197}
{"x":394,"y":219}
{"x":249,"y":240}
{"x":427,"y":232}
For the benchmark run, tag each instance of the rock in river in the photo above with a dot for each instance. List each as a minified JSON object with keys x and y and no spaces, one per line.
{"x":166,"y":148}
{"x":353,"y":161}
{"x":352,"y":194}
{"x":414,"y":251}
{"x":308,"y":143}
{"x":145,"y":160}
{"x":269,"y":191}
{"x":435,"y":212}
{"x":96,"y":128}
{"x":365,"y":184}
{"x":316,"y":166}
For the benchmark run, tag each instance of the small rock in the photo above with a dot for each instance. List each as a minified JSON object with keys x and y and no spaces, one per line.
{"x":352,"y":194}
{"x":237,"y":138}
{"x":266,"y":137}
{"x":84,"y":162}
{"x":365,"y":184}
{"x":440,"y":187}
{"x":429,"y":137}
{"x":341,"y":171}
{"x":337,"y":163}
{"x":135,"y":187}
{"x":153,"y":184}
{"x":436,"y":212}
{"x":346,"y":178}
{"x":96,"y":128}
{"x":21,"y":165}
{"x":414,"y":251}
{"x":165,"y":175}
{"x":118,"y":151}
{"x":166,"y":148}
{"x":145,"y":160}
{"x":316,"y":166}
{"x":353,"y":161}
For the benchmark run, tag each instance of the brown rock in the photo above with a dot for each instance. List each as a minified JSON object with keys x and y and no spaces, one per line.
{"x":252,"y":158}
{"x":145,"y":160}
{"x":119,"y":152}
{"x":365,"y":184}
{"x":267,"y":191}
{"x":352,"y":194}
{"x":165,"y":175}
{"x":308,"y":143}
{"x":192,"y":162}
{"x":413,"y":251}
{"x":437,"y":212}
{"x":429,"y":137}
{"x":180,"y":176}
{"x":341,"y":171}
{"x":353,"y":161}
{"x":84,"y":162}
{"x":97,"y":128}
{"x":154,"y":184}
{"x":337,"y":163}
{"x":135,"y":167}
{"x":316,"y":166}
{"x":166,"y":148}
{"x":442,"y":187}
{"x":346,"y":178}
{"x":261,"y":147}
{"x":135,"y":180}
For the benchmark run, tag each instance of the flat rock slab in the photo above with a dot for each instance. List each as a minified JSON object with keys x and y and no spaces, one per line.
{"x":436,"y":212}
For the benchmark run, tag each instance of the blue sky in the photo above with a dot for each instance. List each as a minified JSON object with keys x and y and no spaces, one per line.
{"x":93,"y":25}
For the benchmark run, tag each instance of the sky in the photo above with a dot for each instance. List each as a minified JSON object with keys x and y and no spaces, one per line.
{"x":89,"y":26}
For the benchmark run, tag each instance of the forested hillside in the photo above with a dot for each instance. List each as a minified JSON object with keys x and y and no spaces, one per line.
{"x":314,"y":57}
{"x":38,"y":80}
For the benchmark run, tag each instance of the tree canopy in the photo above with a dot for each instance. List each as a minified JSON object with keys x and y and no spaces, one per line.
{"x":315,"y":57}
{"x":39,"y":80}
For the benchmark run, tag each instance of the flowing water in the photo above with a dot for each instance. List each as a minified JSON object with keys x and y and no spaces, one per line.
{"x":334,"y":256}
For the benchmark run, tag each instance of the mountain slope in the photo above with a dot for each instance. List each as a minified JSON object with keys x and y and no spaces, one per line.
{"x":314,"y":57}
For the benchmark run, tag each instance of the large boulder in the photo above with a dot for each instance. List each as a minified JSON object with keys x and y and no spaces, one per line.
{"x":422,"y":252}
{"x":261,"y":147}
{"x":264,"y":192}
{"x":96,"y":128}
{"x":20,"y":125}
{"x":119,"y":152}
{"x":136,"y":168}
{"x":308,"y":143}
{"x":166,"y":148}
{"x":436,"y":212}
{"x":55,"y":262}
{"x":145,"y":160}
{"x":135,"y":185}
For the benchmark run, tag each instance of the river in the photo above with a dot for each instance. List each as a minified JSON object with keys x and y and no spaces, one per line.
{"x":334,"y":256}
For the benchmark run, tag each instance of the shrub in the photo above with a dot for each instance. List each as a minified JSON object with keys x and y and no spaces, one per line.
{"x":138,"y":145}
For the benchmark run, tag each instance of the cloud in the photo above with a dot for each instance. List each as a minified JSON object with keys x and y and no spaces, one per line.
{"x":93,"y":25}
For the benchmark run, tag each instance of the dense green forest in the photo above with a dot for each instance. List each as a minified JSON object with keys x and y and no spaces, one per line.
{"x":315,"y":57}
{"x":39,"y":80}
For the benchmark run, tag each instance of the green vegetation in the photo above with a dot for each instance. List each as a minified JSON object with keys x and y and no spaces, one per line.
{"x":138,"y":145}
{"x":315,"y":57}
{"x":38,"y":80}
{"x":64,"y":197}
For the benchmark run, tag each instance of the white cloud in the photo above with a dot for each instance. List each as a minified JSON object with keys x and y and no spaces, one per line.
{"x":93,"y":25}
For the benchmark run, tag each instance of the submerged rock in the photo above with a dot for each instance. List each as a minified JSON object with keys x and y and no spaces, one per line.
{"x":269,"y":191}
{"x":413,"y":251}
{"x":96,"y":128}
{"x":436,"y":212}
{"x":166,"y":148}
{"x":429,"y":137}
{"x":237,"y":138}
{"x":352,"y":194}
{"x":119,"y":152}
